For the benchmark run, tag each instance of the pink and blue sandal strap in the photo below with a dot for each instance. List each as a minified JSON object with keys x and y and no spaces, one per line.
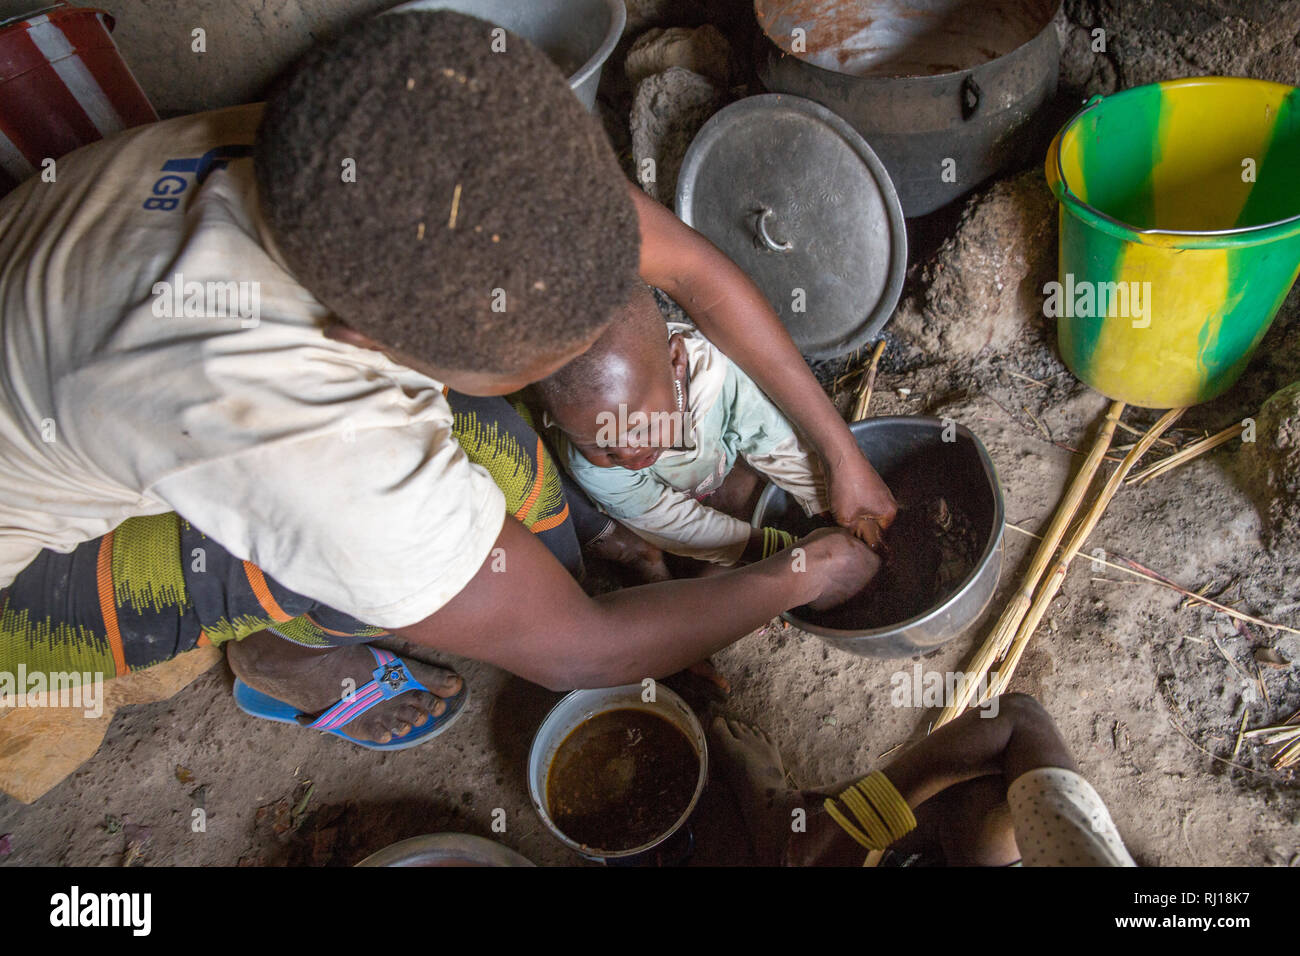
{"x":389,"y":679}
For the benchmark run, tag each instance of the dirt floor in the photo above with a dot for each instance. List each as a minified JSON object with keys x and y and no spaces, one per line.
{"x":1144,"y":692}
{"x":1149,"y":694}
{"x":1150,"y":697}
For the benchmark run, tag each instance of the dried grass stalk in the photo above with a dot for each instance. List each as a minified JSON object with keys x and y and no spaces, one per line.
{"x":1181,"y":457}
{"x":1138,"y":432}
{"x":1080,"y":535}
{"x":864,"y":394}
{"x":999,"y":639}
{"x":1154,"y":577}
{"x":1288,"y":735}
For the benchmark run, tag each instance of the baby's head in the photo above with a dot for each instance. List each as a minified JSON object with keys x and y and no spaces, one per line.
{"x":623,"y":401}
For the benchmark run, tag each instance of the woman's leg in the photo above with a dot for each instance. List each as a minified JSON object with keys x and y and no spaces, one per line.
{"x":112,"y":605}
{"x":155,"y":586}
{"x":956,"y":778}
{"x":498,"y":437}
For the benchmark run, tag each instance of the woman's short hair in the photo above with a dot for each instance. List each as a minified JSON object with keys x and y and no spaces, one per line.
{"x":433,"y":181}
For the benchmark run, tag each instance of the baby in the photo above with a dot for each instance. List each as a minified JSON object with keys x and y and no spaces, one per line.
{"x":652,"y":420}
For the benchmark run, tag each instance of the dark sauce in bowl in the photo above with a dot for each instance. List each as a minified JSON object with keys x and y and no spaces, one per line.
{"x":621,"y":779}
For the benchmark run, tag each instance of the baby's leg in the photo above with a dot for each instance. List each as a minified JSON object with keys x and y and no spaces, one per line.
{"x":619,"y":544}
{"x":790,"y":465}
{"x":739,"y":492}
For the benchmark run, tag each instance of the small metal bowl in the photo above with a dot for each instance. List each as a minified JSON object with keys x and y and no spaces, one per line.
{"x":969,"y":480}
{"x":580,"y":706}
{"x":445,"y":849}
{"x":578,"y":35}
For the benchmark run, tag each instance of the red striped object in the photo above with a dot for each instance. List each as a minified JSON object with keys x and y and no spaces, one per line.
{"x":63,"y":84}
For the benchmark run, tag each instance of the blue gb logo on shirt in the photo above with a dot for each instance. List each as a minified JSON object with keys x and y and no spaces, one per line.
{"x":176,"y":172}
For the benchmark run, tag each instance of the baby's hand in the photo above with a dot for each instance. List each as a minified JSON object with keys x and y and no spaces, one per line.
{"x":868,"y":530}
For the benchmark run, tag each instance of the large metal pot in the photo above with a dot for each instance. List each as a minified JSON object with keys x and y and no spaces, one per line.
{"x":969,"y":480}
{"x":783,"y":166}
{"x":579,"y":35}
{"x":945,"y":91}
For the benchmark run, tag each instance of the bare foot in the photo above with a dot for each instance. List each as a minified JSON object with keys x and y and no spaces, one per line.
{"x":752,"y":766}
{"x":313,"y":680}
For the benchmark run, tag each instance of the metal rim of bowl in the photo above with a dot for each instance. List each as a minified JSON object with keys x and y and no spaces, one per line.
{"x":986,"y":555}
{"x":590,"y":852}
{"x":920,"y":77}
{"x":458,"y":846}
{"x":617,"y":23}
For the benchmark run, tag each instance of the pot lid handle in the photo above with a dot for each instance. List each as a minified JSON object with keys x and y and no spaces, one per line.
{"x":765,"y":237}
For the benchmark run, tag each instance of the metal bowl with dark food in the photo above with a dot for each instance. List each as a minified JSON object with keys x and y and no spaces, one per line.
{"x":945,"y":545}
{"x":445,"y":849}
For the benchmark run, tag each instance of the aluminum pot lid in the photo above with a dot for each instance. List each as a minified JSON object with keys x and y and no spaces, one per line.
{"x":798,"y":200}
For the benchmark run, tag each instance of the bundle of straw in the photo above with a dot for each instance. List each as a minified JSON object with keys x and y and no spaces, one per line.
{"x":1006,"y":644}
{"x":1000,"y":638}
{"x":1288,"y":735}
{"x":1089,"y":521}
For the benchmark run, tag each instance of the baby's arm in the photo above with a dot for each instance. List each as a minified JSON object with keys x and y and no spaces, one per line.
{"x":672,"y":519}
{"x":770,"y":444}
{"x":668,"y":518}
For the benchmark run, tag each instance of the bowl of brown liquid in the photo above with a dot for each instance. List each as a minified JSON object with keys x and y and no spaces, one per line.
{"x":615,"y":773}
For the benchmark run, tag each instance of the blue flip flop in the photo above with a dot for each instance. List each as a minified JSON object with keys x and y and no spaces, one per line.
{"x":389,"y":679}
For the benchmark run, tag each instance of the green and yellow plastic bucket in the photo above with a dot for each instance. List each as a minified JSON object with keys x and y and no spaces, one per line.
{"x":1180,"y":234}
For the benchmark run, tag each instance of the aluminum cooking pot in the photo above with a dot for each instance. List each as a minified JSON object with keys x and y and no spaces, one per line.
{"x":969,"y":480}
{"x":945,"y":91}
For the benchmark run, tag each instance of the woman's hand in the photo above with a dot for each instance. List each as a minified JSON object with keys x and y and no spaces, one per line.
{"x":859,"y":498}
{"x":843,"y":565}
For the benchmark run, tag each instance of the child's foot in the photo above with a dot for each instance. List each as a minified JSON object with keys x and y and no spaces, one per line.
{"x":705,"y":671}
{"x":752,"y":766}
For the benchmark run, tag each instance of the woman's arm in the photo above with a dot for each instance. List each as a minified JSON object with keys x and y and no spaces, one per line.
{"x":525,"y":613}
{"x":732,"y":311}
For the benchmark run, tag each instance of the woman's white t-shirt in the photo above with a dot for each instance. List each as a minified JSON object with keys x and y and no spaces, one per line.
{"x":155,"y":355}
